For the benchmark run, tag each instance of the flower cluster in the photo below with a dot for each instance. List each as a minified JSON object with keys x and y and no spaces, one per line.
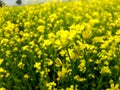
{"x":60,"y":46}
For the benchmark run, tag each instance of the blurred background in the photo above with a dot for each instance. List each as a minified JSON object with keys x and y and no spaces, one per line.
{"x":24,"y":2}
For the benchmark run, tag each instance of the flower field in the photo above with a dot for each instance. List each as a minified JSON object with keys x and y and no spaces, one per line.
{"x":60,"y":46}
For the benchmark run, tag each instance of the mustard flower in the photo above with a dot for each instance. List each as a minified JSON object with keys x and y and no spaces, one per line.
{"x":25,"y":48}
{"x":41,"y":29}
{"x":42,"y":73}
{"x":7,"y":74}
{"x":86,"y":34}
{"x":105,"y":69}
{"x":21,"y":65}
{"x":78,"y":78}
{"x":1,"y":61}
{"x":62,"y":74}
{"x":50,"y":85}
{"x":2,"y":88}
{"x":4,"y":41}
{"x":26,"y":76}
{"x":37,"y":65}
{"x":41,"y":21}
{"x":50,"y":62}
{"x":58,"y":62}
{"x":72,"y":87}
{"x":8,"y":52}
{"x":62,"y":52}
{"x":15,"y":49}
{"x":114,"y":87}
{"x":82,"y":66}
{"x":2,"y":70}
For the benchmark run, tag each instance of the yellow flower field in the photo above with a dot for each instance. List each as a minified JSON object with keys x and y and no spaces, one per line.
{"x":60,"y":46}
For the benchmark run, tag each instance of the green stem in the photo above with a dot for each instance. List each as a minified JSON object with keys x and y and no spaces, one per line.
{"x":72,"y":63}
{"x":99,"y":83}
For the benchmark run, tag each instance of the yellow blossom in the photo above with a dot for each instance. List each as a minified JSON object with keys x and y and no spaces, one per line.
{"x":2,"y":70}
{"x":21,"y":65}
{"x":82,"y":65}
{"x":71,"y":53}
{"x":37,"y":65}
{"x":113,"y":87}
{"x":26,"y":76}
{"x":86,"y":34}
{"x":42,"y":73}
{"x":62,"y":52}
{"x":62,"y":73}
{"x":7,"y":74}
{"x":78,"y":78}
{"x":50,"y":62}
{"x":105,"y":69}
{"x":50,"y":85}
{"x":8,"y":52}
{"x":1,"y":60}
{"x":25,"y":47}
{"x":40,"y":29}
{"x":58,"y":62}
{"x":2,"y":88}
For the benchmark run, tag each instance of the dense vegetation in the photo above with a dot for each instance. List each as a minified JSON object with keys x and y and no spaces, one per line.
{"x":60,"y":46}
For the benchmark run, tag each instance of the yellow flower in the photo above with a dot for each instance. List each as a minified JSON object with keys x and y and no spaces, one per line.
{"x":105,"y":69}
{"x":8,"y":52}
{"x":41,"y":38}
{"x":91,"y":75}
{"x":64,"y":34}
{"x":62,"y":52}
{"x":21,"y":65}
{"x":94,"y":21}
{"x":2,"y":70}
{"x":24,"y":48}
{"x":41,"y":21}
{"x":106,"y":63}
{"x":50,"y":62}
{"x":47,"y":43}
{"x":7,"y":74}
{"x":58,"y":44}
{"x":72,"y":34}
{"x":118,"y":32}
{"x":39,"y":53}
{"x":1,"y":60}
{"x":86,"y":34}
{"x":37,"y":65}
{"x":42,"y":73}
{"x":78,"y":78}
{"x":54,"y":0}
{"x":98,"y":39}
{"x":71,"y":53}
{"x":91,"y":60}
{"x":52,"y":17}
{"x":2,"y":88}
{"x":50,"y":85}
{"x":82,"y":65}
{"x":40,"y":29}
{"x":26,"y":76}
{"x":32,"y":43}
{"x":4,"y":40}
{"x":58,"y":62}
{"x":15,"y":49}
{"x":113,"y":87}
{"x":72,"y":87}
{"x":62,"y":73}
{"x":27,"y":24}
{"x":24,"y":56}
